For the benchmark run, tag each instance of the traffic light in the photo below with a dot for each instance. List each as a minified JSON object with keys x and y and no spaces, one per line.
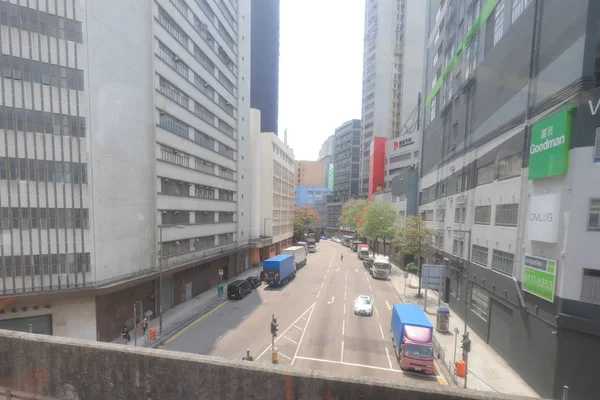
{"x":466,"y":343}
{"x":274,"y":327}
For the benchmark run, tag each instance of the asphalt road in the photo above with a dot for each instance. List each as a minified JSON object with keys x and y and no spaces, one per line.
{"x":317,"y":326}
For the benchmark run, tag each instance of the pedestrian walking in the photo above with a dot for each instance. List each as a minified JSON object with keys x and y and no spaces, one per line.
{"x":144,"y":324}
{"x":342,"y":257}
{"x":125,"y":335}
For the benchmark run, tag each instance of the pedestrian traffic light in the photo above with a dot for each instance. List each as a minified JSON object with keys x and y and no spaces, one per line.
{"x":274,"y":327}
{"x":466,"y":344}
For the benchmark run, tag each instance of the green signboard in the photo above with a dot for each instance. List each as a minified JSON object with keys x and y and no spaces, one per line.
{"x":539,"y":277}
{"x":549,"y":149}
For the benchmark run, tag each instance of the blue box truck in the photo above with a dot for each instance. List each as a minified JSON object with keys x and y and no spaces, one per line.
{"x":279,"y":270}
{"x":412,"y":335}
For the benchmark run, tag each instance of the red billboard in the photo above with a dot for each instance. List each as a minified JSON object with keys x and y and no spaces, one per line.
{"x":377,"y":164}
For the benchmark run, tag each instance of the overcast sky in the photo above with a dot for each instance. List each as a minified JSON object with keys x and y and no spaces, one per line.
{"x":320,"y":70}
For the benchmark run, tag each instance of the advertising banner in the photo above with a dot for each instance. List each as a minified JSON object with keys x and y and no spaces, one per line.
{"x":543,"y":218}
{"x":539,"y":277}
{"x":549,"y":149}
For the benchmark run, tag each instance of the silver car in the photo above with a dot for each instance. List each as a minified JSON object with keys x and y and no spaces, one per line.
{"x":363,"y":305}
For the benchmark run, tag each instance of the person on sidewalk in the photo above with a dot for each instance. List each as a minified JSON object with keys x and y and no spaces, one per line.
{"x":125,"y":335}
{"x":342,"y":258}
{"x":144,"y":324}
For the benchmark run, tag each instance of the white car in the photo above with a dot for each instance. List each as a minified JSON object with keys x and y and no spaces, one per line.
{"x":363,"y":305}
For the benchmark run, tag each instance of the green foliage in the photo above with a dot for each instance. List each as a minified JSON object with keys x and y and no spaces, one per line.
{"x":352,"y":213}
{"x":304,"y":219}
{"x":378,"y":221}
{"x":411,"y":268}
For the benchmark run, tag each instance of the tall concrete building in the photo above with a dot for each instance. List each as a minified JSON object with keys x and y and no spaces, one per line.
{"x":308,"y":173}
{"x":271,"y":208}
{"x":510,"y":179}
{"x":264,"y":60}
{"x":121,"y":154}
{"x":346,"y":159}
{"x":392,"y":74}
{"x":326,"y":159}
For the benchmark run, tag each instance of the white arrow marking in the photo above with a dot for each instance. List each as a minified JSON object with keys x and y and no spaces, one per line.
{"x":332,"y":299}
{"x":355,"y":269}
{"x":337,"y":269}
{"x":388,"y":305}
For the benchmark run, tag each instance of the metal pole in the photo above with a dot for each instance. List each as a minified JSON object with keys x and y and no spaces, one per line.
{"x":455,"y":343}
{"x":565,"y":392}
{"x":160,"y":284}
{"x":425,"y":294}
{"x":30,"y":328}
{"x":466,"y":360}
{"x":134,"y":324}
{"x":468,"y":299}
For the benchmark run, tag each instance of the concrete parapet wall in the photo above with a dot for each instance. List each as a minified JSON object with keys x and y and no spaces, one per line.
{"x":55,"y":367}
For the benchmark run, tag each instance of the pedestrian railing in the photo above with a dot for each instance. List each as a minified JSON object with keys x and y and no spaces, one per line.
{"x":440,"y":353}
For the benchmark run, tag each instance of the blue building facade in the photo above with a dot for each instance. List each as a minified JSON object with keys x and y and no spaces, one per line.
{"x":305,"y":195}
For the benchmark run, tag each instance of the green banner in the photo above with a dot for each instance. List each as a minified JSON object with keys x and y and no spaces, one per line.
{"x":549,"y":148}
{"x":539,"y":277}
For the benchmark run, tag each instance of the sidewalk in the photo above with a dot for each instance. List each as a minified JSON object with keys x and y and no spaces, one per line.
{"x":487,"y":370}
{"x":179,"y":316}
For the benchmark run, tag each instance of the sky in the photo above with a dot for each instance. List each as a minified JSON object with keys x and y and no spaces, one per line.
{"x":320,"y":70}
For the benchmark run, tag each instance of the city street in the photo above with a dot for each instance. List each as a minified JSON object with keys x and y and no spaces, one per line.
{"x":317,"y":326}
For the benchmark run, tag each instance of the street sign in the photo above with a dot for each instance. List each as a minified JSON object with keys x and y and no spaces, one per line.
{"x":539,"y":276}
{"x":220,"y":272}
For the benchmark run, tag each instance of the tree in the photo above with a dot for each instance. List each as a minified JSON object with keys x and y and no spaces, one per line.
{"x":413,"y":238}
{"x":412,"y":269}
{"x":352,"y":213}
{"x":304,"y":218}
{"x":378,"y":223}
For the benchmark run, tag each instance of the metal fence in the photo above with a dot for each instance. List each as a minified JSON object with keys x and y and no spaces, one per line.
{"x":440,"y":353}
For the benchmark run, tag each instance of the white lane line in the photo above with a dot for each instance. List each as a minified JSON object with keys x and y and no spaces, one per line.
{"x":342,"y":355}
{"x":381,"y":330}
{"x":343,"y":327}
{"x":344,"y":308}
{"x":345,"y":286}
{"x":376,"y":312}
{"x":344,"y":295}
{"x":245,"y":316}
{"x":352,"y":364}
{"x":317,"y":296}
{"x":293,"y":341}
{"x":371,"y":290}
{"x":389,"y":359}
{"x":287,"y":329}
{"x":219,"y":338}
{"x":303,"y":332}
{"x":322,"y":283}
{"x":297,"y":327}
{"x":284,"y":356}
{"x":388,"y":305}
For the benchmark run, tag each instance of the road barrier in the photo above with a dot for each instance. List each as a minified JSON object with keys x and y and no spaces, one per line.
{"x":439,"y":351}
{"x":152,"y":334}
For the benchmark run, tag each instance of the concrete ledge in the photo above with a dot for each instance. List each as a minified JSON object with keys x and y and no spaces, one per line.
{"x":76,"y":369}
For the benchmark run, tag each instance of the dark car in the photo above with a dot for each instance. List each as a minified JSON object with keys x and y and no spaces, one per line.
{"x":238,"y":289}
{"x":254,"y":282}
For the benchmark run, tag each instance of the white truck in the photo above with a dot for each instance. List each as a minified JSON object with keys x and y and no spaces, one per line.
{"x":381,"y":267}
{"x":299,"y":254}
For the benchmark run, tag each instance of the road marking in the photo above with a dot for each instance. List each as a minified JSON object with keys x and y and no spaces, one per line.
{"x":381,"y":329}
{"x":264,"y":301}
{"x":284,"y":356}
{"x":297,"y":327}
{"x":318,"y":294}
{"x":388,"y":305}
{"x":345,"y":286}
{"x":288,"y":328}
{"x":245,"y":316}
{"x":175,"y":336}
{"x":332,"y":300}
{"x":344,"y":308}
{"x":303,"y":332}
{"x":343,"y":327}
{"x":293,"y":341}
{"x":342,"y":355}
{"x":219,"y":338}
{"x":376,"y":312}
{"x":344,"y":295}
{"x":338,"y":268}
{"x":388,"y":355}
{"x":346,"y":363}
{"x":322,"y":283}
{"x":371,"y":290}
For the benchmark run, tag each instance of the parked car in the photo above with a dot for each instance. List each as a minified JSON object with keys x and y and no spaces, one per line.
{"x":238,"y":289}
{"x":254,"y":282}
{"x":363,"y":305}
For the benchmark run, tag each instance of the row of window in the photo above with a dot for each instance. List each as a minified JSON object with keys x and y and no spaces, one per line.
{"x":506,"y":215}
{"x":41,"y":22}
{"x":42,"y":171}
{"x":178,"y":96}
{"x":506,"y":168}
{"x":46,"y":264}
{"x":41,"y":72}
{"x":173,"y":217}
{"x":180,"y":128}
{"x":502,"y":261}
{"x":178,"y":188}
{"x":41,"y":122}
{"x":177,"y":247}
{"x":183,"y":159}
{"x":43,"y":218}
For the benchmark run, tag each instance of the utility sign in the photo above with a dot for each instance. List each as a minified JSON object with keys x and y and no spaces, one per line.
{"x":220,"y":272}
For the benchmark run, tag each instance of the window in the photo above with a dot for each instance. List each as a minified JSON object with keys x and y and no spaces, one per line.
{"x":225,"y":150}
{"x":175,"y":157}
{"x":429,"y":215}
{"x":49,"y":74}
{"x":181,"y":6}
{"x":226,"y":83}
{"x":226,"y":217}
{"x":204,"y":87}
{"x":175,"y":248}
{"x":172,"y":92}
{"x":457,"y":215}
{"x":204,"y":242}
{"x":226,"y":238}
{"x":203,"y":59}
{"x":597,"y":147}
{"x":483,"y":215}
{"x":401,"y":157}
{"x":590,"y":286}
{"x":173,"y":187}
{"x":205,"y":217}
{"x":594,"y":215}
{"x":480,"y":255}
{"x":175,"y":217}
{"x":509,"y":167}
{"x":503,"y":262}
{"x":173,"y":61}
{"x":440,"y":215}
{"x":227,"y":107}
{"x":204,"y":140}
{"x":507,"y":214}
{"x":486,"y":174}
{"x":498,"y":21}
{"x":204,"y":166}
{"x":226,"y":128}
{"x":517,"y":8}
{"x":439,"y":241}
{"x":38,"y":218}
{"x":455,"y":247}
{"x":480,"y":303}
{"x":173,"y":125}
{"x":40,"y":170}
{"x":226,"y":36}
{"x":464,"y":215}
{"x":432,"y":107}
{"x":204,"y":192}
{"x":172,"y":27}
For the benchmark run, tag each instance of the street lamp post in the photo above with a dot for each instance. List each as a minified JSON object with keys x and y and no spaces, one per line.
{"x":160,"y":276}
